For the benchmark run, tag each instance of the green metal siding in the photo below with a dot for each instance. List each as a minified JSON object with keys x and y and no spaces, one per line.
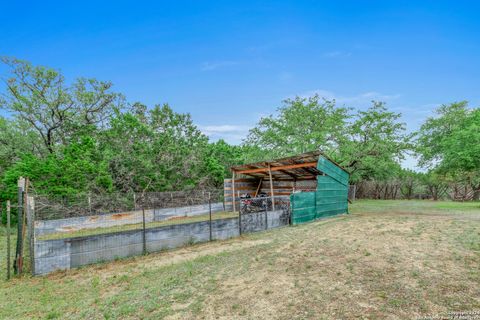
{"x":332,"y":170}
{"x":329,"y":199}
{"x":303,"y":207}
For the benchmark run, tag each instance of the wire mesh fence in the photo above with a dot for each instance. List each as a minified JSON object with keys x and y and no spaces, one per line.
{"x":82,"y":215}
{"x":59,"y":207}
{"x":64,"y":232}
{"x":76,"y":231}
{"x":263,"y":212}
{"x":306,"y":185}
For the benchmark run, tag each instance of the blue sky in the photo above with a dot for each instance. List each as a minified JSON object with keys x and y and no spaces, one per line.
{"x":229,"y":63}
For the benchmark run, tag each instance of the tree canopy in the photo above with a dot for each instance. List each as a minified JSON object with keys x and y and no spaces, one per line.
{"x":369,"y":143}
{"x":81,"y":136}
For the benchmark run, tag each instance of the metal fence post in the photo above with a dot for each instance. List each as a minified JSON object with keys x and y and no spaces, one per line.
{"x":144,"y":235}
{"x":210,"y":213}
{"x":8,"y":239}
{"x":31,"y":231}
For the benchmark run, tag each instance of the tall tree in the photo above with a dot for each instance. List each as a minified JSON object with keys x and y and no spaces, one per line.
{"x":155,"y":150}
{"x":450,"y":143}
{"x":302,"y":124}
{"x":368,"y":143}
{"x":51,"y":107}
{"x":374,"y":143}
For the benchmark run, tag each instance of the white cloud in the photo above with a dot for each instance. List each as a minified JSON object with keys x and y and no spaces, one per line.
{"x":209,"y":66}
{"x":233,"y":134}
{"x":223,"y":128}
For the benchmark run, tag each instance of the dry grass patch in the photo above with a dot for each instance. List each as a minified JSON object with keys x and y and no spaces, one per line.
{"x":408,"y":260}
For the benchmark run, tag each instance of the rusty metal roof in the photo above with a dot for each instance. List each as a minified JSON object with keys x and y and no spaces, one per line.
{"x":298,"y":167}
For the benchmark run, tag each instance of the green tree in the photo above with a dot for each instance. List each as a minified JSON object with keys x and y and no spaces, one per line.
{"x":436,"y":184}
{"x":220,"y":157}
{"x":410,"y":181}
{"x":42,"y":101}
{"x":374,"y":144}
{"x":302,"y":124}
{"x":450,"y":143}
{"x":369,"y":144}
{"x":155,"y":150}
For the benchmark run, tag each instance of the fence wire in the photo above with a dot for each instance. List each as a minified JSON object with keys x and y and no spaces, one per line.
{"x":59,"y":207}
{"x":76,"y":231}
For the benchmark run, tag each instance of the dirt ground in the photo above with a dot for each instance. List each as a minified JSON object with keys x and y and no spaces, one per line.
{"x":387,"y":260}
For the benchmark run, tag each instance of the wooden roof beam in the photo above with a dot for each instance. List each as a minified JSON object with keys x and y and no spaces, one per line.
{"x":278,"y":168}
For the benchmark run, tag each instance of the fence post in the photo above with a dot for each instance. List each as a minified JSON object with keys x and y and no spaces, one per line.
{"x":8,"y":239}
{"x":210,"y":213}
{"x":134,"y":202}
{"x":17,"y":267}
{"x":31,"y":231}
{"x":224,"y":203}
{"x":89,"y":203}
{"x":239,"y":213}
{"x":292,"y":208}
{"x":266,"y":215}
{"x":144,"y":235}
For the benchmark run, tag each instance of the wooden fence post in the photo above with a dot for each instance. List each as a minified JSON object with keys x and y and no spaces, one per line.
{"x":266,"y":214}
{"x":233,"y":190}
{"x":8,"y":239}
{"x":17,"y":268}
{"x":89,"y":203}
{"x":210,"y":213}
{"x":239,"y":213}
{"x":31,"y":231}
{"x":271,"y":187}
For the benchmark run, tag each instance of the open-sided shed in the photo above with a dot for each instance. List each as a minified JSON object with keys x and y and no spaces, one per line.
{"x":315,"y":184}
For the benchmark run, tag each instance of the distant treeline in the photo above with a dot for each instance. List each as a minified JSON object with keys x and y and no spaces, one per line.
{"x":81,"y":136}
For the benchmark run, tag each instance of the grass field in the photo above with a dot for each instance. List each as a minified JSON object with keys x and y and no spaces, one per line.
{"x":386,"y":260}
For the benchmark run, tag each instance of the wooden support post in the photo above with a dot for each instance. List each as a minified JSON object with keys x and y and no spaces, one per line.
{"x":89,"y":203}
{"x":25,"y":204}
{"x":17,"y":268}
{"x":258,"y":187}
{"x":144,"y":238}
{"x":8,"y":239}
{"x":271,"y":187}
{"x":210,"y":213}
{"x":233,"y":190}
{"x":239,"y":215}
{"x":31,"y":231}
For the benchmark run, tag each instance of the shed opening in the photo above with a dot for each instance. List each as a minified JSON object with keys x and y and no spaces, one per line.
{"x":314,"y":185}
